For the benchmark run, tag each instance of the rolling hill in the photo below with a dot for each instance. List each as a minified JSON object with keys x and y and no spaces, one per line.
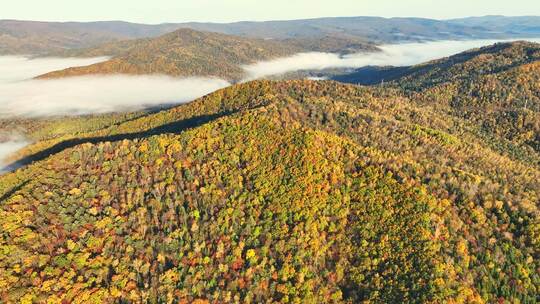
{"x":284,"y":191}
{"x":185,"y":52}
{"x":524,"y":25}
{"x":332,"y":44}
{"x":41,"y":38}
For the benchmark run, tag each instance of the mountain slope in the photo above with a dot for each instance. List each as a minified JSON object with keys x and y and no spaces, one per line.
{"x":497,"y":87}
{"x":217,"y":223}
{"x":482,"y":61}
{"x":185,"y":53}
{"x":187,"y":203}
{"x":296,"y":191}
{"x":374,"y":29}
{"x":332,"y":44}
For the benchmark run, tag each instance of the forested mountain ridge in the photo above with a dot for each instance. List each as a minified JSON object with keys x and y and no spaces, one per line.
{"x":473,"y":63}
{"x":185,"y":52}
{"x":496,"y":86}
{"x":520,"y":72}
{"x":286,"y":128}
{"x":331,"y":44}
{"x":296,"y":191}
{"x":251,"y":244}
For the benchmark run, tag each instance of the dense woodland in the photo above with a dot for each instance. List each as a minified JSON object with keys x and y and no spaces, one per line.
{"x":421,"y":190}
{"x":496,"y":87}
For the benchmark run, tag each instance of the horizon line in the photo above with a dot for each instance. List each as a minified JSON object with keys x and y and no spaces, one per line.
{"x":263,"y":21}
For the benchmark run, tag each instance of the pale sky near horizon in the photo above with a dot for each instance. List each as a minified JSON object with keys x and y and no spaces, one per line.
{"x":159,"y":11}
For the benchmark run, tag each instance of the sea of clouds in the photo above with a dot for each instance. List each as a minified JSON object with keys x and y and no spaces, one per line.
{"x":17,"y":68}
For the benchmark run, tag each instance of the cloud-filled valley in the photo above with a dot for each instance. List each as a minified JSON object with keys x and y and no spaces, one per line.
{"x":20,"y":95}
{"x":23,"y":96}
{"x":99,"y":94}
{"x":17,"y":68}
{"x":391,"y":55}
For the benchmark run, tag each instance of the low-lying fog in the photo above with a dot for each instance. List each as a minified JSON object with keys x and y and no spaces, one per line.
{"x":99,"y":94}
{"x":20,"y":95}
{"x":394,"y":55}
{"x":17,"y":68}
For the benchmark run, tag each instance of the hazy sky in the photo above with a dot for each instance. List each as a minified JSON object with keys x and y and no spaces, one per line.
{"x":157,"y":11}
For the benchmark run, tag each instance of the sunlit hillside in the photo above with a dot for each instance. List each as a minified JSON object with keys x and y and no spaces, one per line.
{"x":288,"y":191}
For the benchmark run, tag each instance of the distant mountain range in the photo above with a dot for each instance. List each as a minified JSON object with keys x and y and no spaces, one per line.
{"x":524,"y":25}
{"x":325,"y":34}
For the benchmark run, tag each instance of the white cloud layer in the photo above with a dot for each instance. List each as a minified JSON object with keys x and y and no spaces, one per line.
{"x":99,"y":94}
{"x":395,"y":55}
{"x":20,"y":95}
{"x":16,"y":68}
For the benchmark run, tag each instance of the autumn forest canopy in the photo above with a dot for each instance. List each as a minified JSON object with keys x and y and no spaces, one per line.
{"x":414,"y":184}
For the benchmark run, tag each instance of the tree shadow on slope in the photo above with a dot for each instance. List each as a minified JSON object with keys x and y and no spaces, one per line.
{"x":170,"y":128}
{"x":13,"y":190}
